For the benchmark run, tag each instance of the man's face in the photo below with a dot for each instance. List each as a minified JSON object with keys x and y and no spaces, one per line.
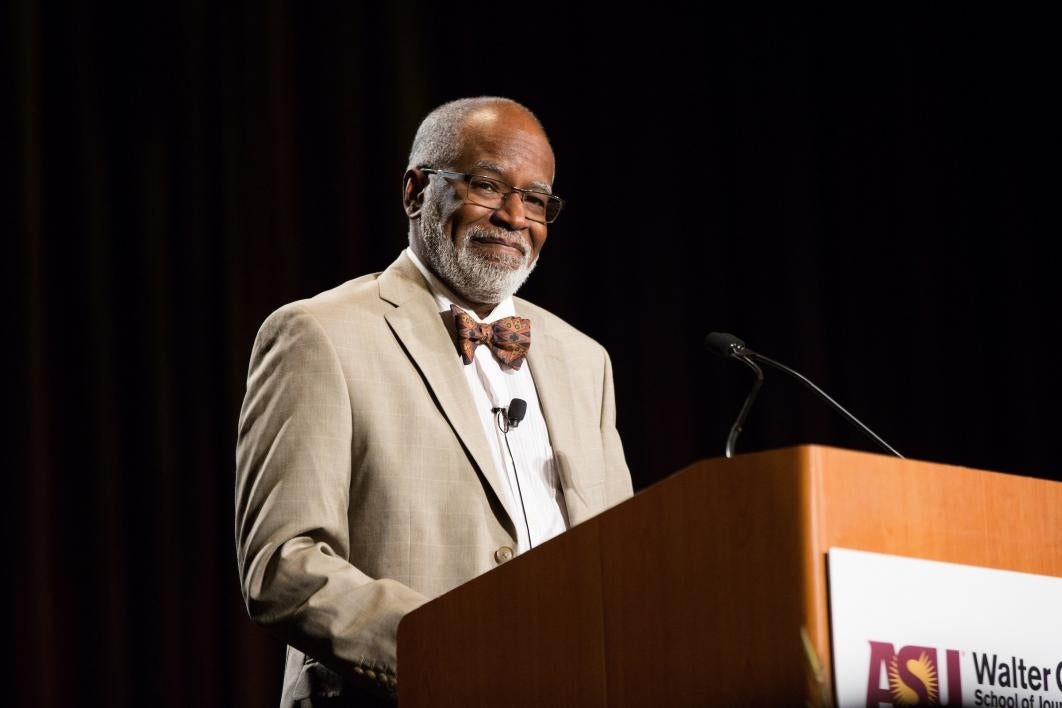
{"x":486,"y":254}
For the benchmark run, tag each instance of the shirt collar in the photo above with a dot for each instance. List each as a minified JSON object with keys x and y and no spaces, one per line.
{"x":444,"y":296}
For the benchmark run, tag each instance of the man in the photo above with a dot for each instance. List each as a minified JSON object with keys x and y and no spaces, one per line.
{"x":377,"y":465}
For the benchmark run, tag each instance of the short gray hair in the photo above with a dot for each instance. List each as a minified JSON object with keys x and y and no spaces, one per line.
{"x":438,"y":140}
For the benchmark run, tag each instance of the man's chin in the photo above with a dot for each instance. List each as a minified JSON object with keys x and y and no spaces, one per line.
{"x":492,"y":280}
{"x":479,"y":271}
{"x":503,"y":266}
{"x":500,"y":263}
{"x":497,"y":256}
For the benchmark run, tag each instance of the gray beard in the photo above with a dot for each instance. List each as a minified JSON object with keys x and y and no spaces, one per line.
{"x":477,"y":279}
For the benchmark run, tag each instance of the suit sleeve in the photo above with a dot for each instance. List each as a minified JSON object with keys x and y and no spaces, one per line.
{"x":293,"y":469}
{"x":617,"y":477}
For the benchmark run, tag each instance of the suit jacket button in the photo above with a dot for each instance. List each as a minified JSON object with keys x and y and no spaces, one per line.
{"x":503,"y":554}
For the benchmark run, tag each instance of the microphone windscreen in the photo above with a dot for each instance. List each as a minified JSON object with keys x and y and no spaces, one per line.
{"x":722,"y":343}
{"x":517,"y":410}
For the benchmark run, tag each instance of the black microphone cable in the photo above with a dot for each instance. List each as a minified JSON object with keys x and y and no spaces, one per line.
{"x":507,"y":418}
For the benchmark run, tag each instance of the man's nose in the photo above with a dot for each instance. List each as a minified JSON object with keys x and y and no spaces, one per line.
{"x":512,"y":212}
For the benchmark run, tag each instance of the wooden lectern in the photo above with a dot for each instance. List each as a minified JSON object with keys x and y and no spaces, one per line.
{"x":696,"y":590}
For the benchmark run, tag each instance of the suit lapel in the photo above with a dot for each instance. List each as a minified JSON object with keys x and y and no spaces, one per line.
{"x":419,"y":327}
{"x":555,"y":395}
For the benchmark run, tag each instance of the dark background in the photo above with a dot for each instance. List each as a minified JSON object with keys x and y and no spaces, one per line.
{"x":871,"y":200}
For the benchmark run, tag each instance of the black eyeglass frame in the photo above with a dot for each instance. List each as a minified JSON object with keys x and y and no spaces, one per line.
{"x":465,"y":176}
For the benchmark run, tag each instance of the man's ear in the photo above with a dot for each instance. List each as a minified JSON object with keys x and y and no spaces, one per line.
{"x":414,"y":182}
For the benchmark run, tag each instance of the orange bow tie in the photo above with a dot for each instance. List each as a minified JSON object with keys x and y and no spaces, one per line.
{"x":509,"y":338}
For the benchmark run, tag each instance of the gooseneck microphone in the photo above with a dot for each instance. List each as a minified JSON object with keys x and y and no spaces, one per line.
{"x":725,"y":345}
{"x":729,"y":346}
{"x":508,"y":419}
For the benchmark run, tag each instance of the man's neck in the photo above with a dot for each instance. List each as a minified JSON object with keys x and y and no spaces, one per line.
{"x":483,"y":310}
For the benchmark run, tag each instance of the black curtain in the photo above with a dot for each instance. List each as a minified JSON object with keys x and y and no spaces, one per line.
{"x":871,"y":200}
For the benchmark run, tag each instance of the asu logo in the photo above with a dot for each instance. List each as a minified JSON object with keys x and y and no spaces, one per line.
{"x":910,"y":677}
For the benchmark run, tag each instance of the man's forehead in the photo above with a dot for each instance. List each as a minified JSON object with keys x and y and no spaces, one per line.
{"x":507,"y":142}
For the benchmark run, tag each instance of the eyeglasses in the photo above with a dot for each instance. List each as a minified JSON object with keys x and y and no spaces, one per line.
{"x":491,"y":193}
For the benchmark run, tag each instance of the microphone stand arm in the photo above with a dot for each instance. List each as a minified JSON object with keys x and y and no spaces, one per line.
{"x":743,"y":354}
{"x":739,"y":423}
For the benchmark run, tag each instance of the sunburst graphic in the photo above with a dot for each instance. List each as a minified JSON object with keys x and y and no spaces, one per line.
{"x":923,"y":670}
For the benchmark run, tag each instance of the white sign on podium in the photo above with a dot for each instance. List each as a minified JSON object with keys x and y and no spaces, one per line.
{"x":912,"y":632}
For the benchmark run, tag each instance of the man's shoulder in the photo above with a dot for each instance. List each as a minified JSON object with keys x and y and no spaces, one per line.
{"x":355,"y":295}
{"x":348,"y":302}
{"x":543,"y":319}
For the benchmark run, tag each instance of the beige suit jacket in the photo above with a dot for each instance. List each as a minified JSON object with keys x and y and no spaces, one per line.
{"x":364,"y":480}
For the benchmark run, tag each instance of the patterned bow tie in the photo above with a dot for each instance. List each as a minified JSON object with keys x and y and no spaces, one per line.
{"x":509,"y":338}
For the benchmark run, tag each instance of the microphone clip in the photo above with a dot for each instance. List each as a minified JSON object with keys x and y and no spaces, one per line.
{"x":501,"y":418}
{"x":738,"y":351}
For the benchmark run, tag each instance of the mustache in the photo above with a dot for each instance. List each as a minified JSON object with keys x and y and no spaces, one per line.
{"x":506,"y":238}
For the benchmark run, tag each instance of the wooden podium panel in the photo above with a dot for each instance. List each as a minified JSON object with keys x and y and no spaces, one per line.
{"x":696,"y":590}
{"x":923,"y":510}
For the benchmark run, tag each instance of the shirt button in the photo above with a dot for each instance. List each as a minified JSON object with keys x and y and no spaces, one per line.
{"x":503,"y":554}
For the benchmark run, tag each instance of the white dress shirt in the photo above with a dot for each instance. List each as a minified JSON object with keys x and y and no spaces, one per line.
{"x":494,"y":385}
